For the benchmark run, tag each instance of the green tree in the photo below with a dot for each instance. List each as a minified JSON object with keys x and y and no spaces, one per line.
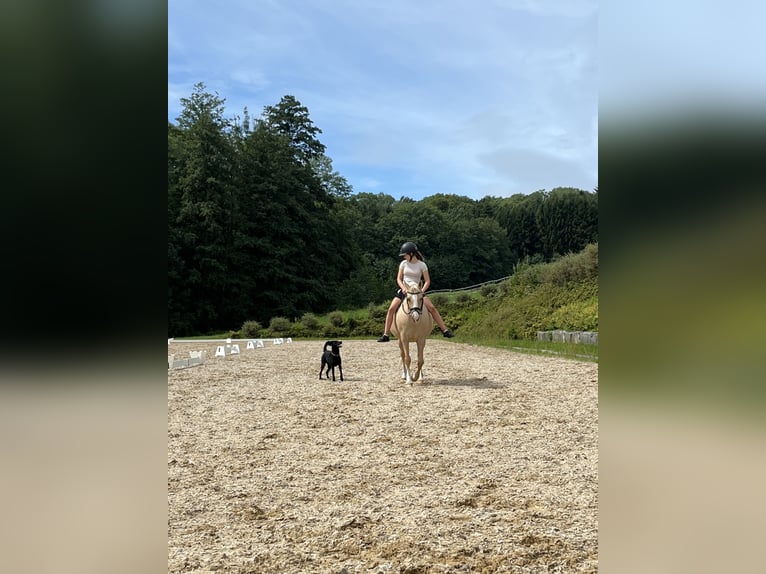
{"x":261,"y":225}
{"x":364,"y":217}
{"x":454,"y":207}
{"x":331,"y":181}
{"x":287,"y":258}
{"x":179,"y":295}
{"x":568,"y":221}
{"x":202,"y":208}
{"x":520,"y":218}
{"x":291,"y":119}
{"x":471,"y":247}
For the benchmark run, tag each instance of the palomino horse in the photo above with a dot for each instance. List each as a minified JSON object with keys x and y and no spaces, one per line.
{"x":412,"y":322}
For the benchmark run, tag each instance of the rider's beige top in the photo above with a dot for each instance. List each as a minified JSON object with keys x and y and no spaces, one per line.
{"x":413,"y":272}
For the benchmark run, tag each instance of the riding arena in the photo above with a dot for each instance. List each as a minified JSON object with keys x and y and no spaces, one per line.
{"x":489,"y":464}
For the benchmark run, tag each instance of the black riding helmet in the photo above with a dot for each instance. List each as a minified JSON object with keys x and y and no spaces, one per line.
{"x":408,"y":247}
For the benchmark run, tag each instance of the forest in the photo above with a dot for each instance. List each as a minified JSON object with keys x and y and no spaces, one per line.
{"x":260,"y":225}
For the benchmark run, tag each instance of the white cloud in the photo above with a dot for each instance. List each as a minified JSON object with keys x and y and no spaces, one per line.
{"x":415,"y":91}
{"x":248,"y":78}
{"x":526,"y":170}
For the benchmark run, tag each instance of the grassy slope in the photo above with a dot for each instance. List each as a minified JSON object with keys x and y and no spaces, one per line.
{"x":543,"y":297}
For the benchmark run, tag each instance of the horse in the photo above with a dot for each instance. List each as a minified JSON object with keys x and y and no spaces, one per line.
{"x":412,"y":323}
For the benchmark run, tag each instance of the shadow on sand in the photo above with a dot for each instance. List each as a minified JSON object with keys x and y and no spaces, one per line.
{"x":475,"y":383}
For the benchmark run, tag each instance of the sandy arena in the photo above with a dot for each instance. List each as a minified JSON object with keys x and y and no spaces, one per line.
{"x":489,"y":466}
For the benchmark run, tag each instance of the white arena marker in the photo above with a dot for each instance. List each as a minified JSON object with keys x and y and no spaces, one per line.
{"x":220,"y":352}
{"x":250,"y":345}
{"x":228,"y":341}
{"x":234,"y":350}
{"x":259,"y":343}
{"x":289,"y":340}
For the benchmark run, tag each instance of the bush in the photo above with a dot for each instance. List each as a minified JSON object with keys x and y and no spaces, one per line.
{"x":377,"y":312}
{"x":504,"y":288}
{"x":464,"y":299}
{"x":280,"y":326}
{"x":250,"y":329}
{"x":439,"y":300}
{"x":330,"y":332}
{"x":573,"y":267}
{"x":336,"y":318}
{"x":309,"y":321}
{"x":577,"y":316}
{"x":366,"y":328}
{"x":489,"y":290}
{"x":528,"y":275}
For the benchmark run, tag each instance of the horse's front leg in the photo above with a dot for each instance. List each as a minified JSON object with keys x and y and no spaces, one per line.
{"x":404,"y":349}
{"x":419,"y":373}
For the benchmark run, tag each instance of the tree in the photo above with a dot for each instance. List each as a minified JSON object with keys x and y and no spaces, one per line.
{"x":202,"y":211}
{"x":291,"y":119}
{"x":261,"y":225}
{"x":359,"y":221}
{"x":288,"y":261}
{"x":519,"y":217}
{"x":568,"y":221}
{"x":332,"y":182}
{"x":454,"y":207}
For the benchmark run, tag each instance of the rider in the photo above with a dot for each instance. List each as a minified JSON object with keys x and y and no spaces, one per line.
{"x":412,"y":270}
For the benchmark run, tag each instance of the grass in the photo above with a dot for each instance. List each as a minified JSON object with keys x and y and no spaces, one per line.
{"x":578,"y":351}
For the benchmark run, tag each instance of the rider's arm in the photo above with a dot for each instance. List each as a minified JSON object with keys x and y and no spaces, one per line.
{"x":427,"y":280}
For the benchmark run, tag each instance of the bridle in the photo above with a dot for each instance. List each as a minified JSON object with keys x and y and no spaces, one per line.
{"x":409,"y":310}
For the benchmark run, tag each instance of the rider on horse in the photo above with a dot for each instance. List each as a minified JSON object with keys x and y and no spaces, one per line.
{"x":412,"y":270}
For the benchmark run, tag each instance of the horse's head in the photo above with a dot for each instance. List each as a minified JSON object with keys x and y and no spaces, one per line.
{"x":413,"y":301}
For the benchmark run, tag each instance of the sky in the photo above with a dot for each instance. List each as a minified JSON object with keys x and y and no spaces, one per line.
{"x":414,"y":98}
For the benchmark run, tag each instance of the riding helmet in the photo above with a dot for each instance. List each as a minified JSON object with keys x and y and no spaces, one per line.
{"x":408,"y":247}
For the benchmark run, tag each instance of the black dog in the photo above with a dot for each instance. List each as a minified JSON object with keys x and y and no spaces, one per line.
{"x":331,"y":359}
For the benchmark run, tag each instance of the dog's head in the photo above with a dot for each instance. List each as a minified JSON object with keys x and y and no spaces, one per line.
{"x":334,"y":345}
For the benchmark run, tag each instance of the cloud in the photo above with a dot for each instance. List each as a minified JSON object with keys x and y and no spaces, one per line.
{"x":247,"y":78}
{"x":525,"y":170}
{"x":415,"y":92}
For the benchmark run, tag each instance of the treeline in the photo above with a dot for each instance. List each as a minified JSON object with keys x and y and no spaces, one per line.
{"x":562,"y":294}
{"x":260,"y":225}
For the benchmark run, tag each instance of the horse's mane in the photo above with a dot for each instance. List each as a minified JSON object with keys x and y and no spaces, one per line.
{"x":413,"y":288}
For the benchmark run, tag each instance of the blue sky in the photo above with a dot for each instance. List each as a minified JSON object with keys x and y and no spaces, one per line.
{"x":413,"y":97}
